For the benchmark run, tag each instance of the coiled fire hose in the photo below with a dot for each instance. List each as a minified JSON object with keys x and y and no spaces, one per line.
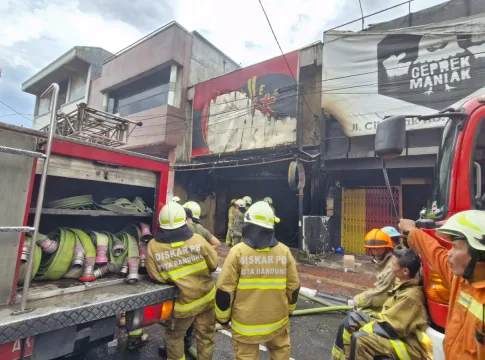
{"x":84,"y":202}
{"x":87,"y":273}
{"x":25,"y":253}
{"x":54,"y":266}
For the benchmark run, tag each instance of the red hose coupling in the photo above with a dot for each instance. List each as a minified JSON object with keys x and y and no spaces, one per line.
{"x":47,"y":245}
{"x":133,"y":265}
{"x":88,"y":270}
{"x":146,"y":235}
{"x":143,"y":253}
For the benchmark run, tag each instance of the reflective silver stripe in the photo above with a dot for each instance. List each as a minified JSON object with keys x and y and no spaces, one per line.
{"x":400,"y":349}
{"x":337,"y":353}
{"x":197,"y":303}
{"x":223,"y":314}
{"x":473,"y":306}
{"x":184,"y":271}
{"x":262,"y":284}
{"x":257,"y":330}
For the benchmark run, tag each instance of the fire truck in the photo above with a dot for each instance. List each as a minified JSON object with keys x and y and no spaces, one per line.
{"x":457,"y":186}
{"x":62,"y":289}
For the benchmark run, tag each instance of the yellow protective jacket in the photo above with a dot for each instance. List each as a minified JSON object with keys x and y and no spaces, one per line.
{"x":202,"y":231}
{"x":403,"y":321}
{"x":186,"y":260}
{"x":230,"y":217}
{"x":257,"y":290}
{"x":376,"y":297}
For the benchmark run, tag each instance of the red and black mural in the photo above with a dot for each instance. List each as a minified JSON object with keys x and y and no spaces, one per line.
{"x":254,"y":107}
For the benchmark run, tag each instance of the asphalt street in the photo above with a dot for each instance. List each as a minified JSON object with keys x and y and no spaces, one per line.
{"x":312,"y":337}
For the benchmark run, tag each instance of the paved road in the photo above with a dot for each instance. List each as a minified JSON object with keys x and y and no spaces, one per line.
{"x":310,"y":335}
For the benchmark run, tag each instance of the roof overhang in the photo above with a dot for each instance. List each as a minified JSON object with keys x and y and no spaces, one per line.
{"x":58,"y":70}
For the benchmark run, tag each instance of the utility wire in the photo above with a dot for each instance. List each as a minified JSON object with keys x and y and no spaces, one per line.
{"x":284,"y":56}
{"x":15,"y":111}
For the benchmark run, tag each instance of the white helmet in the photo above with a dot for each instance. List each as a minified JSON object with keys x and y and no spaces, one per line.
{"x":248,"y":200}
{"x":262,"y":215}
{"x":192,"y":205}
{"x":176,"y":199}
{"x":172,"y":216}
{"x":470,"y":224}
{"x":240,"y":202}
{"x":268,"y":200}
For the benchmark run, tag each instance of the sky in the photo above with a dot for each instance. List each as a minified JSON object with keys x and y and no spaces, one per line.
{"x":36,"y":32}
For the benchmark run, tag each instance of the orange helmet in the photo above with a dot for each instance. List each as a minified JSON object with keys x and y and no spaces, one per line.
{"x":377,"y":239}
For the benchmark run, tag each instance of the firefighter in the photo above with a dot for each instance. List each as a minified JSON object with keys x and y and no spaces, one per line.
{"x":257,"y":289}
{"x":177,"y":255}
{"x":238,"y":222}
{"x":248,"y":201}
{"x":380,"y":245}
{"x":199,"y":229}
{"x":462,"y":269}
{"x":196,"y":211}
{"x":230,"y":217}
{"x":393,"y":233}
{"x":270,"y":202}
{"x":399,"y":330}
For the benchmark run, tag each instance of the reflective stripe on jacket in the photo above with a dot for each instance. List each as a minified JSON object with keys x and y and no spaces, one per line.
{"x":466,"y":300}
{"x":256,"y":291}
{"x":376,"y":297}
{"x":403,"y":320}
{"x":188,"y":264}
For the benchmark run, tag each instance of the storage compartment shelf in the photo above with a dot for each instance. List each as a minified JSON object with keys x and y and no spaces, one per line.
{"x":47,"y":211}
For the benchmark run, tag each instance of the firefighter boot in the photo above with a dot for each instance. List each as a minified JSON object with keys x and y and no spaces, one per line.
{"x":136,"y":339}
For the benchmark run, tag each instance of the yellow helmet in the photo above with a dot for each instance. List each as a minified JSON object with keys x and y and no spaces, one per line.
{"x":262,"y":215}
{"x":233,"y":201}
{"x":172,"y":216}
{"x":192,"y":205}
{"x":176,"y":199}
{"x":469,"y":224}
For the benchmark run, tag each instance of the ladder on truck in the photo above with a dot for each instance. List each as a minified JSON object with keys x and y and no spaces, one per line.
{"x":54,"y":89}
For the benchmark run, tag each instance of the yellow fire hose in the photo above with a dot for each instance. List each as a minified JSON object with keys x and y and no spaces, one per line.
{"x":37,"y":257}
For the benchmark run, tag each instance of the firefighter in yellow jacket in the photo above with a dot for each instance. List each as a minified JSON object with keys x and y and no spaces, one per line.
{"x":177,"y":255}
{"x":230,"y":217}
{"x":398,"y":332}
{"x":257,"y":289}
{"x":193,"y":222}
{"x":380,"y":245}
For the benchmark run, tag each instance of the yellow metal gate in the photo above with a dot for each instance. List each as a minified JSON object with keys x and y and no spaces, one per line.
{"x":363,"y":209}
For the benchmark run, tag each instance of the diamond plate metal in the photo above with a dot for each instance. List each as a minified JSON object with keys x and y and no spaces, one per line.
{"x":35,"y":324}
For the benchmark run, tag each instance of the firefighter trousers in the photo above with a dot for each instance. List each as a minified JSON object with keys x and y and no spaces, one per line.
{"x":352,"y":322}
{"x":369,"y":346}
{"x":228,"y":237}
{"x":279,"y":347}
{"x":204,"y":327}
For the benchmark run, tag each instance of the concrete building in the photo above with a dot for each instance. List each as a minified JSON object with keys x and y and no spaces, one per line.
{"x":73,"y":72}
{"x":357,"y":198}
{"x":253,"y":120}
{"x":147,"y":81}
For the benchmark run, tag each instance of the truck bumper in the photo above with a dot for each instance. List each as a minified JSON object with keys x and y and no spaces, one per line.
{"x":437,"y":338}
{"x":68,"y":310}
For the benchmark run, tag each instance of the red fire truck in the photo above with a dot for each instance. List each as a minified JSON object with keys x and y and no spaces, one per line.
{"x":46,"y":319}
{"x":457,"y":186}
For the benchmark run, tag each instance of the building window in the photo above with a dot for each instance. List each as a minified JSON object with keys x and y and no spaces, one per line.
{"x":78,"y":87}
{"x":62,"y":96}
{"x":143,"y":94}
{"x":44,"y":105}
